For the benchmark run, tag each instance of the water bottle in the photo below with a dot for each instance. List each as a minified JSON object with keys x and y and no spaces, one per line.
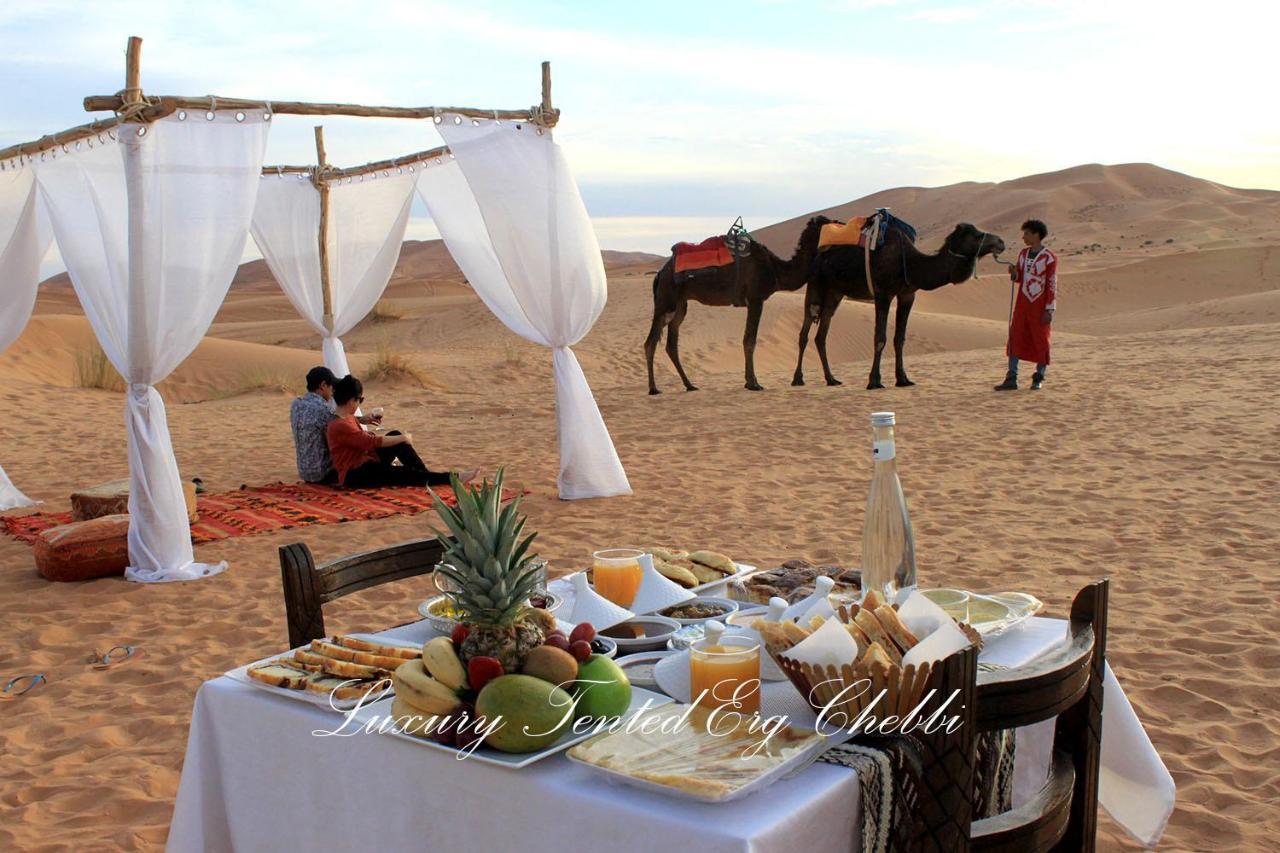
{"x":888,"y":546}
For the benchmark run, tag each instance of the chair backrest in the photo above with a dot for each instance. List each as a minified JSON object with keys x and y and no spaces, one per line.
{"x":947,"y":759}
{"x":307,"y":587}
{"x":1066,"y":684}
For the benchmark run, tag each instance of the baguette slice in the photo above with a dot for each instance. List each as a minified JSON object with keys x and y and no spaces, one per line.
{"x":280,"y":675}
{"x":859,"y":638}
{"x":872,"y":600}
{"x":899,"y":633}
{"x":871,"y":627}
{"x":712,"y":560}
{"x":876,"y":657}
{"x":347,"y":669}
{"x":344,"y":688}
{"x":403,"y":652}
{"x":794,"y":633}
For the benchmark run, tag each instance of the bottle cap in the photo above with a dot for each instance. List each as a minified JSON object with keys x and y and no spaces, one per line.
{"x":881,"y":419}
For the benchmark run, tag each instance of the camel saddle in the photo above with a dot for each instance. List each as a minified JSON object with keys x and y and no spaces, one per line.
{"x":859,"y":230}
{"x":714,"y":251}
{"x":842,"y":233}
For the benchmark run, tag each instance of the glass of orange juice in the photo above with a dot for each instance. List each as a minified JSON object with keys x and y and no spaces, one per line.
{"x":720,"y":667}
{"x":617,"y":574}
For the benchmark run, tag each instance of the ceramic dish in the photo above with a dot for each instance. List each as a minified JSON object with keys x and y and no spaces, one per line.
{"x":445,"y":624}
{"x":657,"y":631}
{"x":727,"y":607}
{"x":993,"y":614}
{"x":639,"y":668}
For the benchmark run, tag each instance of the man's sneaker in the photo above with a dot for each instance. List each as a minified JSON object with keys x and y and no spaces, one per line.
{"x":1010,"y":383}
{"x":1036,"y":381}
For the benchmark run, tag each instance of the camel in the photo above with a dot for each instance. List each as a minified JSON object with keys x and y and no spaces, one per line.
{"x":763,"y":274}
{"x":898,"y":270}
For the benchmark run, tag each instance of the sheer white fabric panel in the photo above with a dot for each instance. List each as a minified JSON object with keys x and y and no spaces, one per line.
{"x":541,"y":274}
{"x":23,"y":243}
{"x":152,"y":229}
{"x":367,"y":221}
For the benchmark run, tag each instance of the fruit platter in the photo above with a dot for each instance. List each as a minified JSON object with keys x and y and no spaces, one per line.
{"x":510,"y":683}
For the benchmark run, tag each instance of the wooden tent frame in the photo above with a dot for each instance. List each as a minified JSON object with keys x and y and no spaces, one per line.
{"x":133,"y":107}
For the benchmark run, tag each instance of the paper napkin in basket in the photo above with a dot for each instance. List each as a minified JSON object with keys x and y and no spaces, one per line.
{"x":830,"y":645}
{"x":939,"y":635}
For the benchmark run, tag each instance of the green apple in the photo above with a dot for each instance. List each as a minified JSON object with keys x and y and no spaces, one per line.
{"x":603,"y":688}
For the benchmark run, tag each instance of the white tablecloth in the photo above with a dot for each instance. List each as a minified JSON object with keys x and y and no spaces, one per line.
{"x":257,"y":778}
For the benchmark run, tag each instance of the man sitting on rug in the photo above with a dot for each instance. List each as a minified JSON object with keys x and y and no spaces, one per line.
{"x":310,"y":416}
{"x":366,"y":461}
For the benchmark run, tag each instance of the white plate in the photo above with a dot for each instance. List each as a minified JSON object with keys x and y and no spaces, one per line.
{"x":381,"y":710}
{"x":1018,"y":608}
{"x":320,"y":700}
{"x":562,"y":587}
{"x":792,"y":766}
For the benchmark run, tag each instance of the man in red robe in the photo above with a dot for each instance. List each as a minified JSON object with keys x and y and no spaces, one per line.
{"x":1036,"y":277}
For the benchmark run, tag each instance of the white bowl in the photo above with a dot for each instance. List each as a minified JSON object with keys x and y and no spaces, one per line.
{"x":446,"y":624}
{"x":653,"y":640}
{"x":728,"y":606}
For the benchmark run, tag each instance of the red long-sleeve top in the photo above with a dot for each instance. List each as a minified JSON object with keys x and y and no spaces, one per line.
{"x":350,"y":446}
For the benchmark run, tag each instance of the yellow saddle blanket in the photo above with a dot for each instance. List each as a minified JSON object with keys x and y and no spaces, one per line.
{"x":848,"y":234}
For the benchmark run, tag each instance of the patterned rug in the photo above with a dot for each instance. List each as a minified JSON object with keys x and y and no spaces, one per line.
{"x":278,"y":506}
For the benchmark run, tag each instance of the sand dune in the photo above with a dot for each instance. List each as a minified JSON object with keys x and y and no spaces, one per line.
{"x":1149,"y":457}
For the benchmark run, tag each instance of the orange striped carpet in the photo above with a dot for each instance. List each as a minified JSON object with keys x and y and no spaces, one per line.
{"x":278,"y":506}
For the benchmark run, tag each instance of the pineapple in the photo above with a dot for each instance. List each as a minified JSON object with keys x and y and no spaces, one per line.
{"x":491,"y":572}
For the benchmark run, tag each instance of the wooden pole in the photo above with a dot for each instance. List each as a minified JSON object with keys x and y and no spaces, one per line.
{"x":326,"y":288}
{"x":163,"y":105}
{"x":546,"y":87}
{"x":332,"y":175}
{"x":60,"y":139}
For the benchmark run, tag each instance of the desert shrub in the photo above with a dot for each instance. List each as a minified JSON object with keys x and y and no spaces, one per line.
{"x":94,"y":370}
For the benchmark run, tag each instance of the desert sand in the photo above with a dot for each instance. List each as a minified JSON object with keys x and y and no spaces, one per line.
{"x":1151,"y":456}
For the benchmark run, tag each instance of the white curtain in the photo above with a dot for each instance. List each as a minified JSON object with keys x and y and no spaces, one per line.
{"x":152,"y":228}
{"x":24,"y":238}
{"x":511,"y":215}
{"x":367,"y":218}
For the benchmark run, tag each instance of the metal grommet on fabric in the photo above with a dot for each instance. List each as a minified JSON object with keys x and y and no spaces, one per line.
{"x":239,"y":116}
{"x":457,"y":119}
{"x":182,"y":115}
{"x":209,"y":115}
{"x":42,"y":157}
{"x":142,"y":131}
{"x":267,"y":115}
{"x":475,"y":122}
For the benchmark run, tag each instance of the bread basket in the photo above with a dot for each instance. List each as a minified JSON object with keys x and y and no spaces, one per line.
{"x":838,"y":693}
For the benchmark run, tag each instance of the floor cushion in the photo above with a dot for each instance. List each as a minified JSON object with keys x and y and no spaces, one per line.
{"x":82,"y":550}
{"x":113,"y":498}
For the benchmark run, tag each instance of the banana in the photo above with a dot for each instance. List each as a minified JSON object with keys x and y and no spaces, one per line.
{"x":420,"y":690}
{"x":413,"y":721}
{"x":440,"y":659}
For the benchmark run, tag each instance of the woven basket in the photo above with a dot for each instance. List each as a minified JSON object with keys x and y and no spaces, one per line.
{"x":903,"y":688}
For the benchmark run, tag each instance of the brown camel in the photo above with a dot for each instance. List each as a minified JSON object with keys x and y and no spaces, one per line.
{"x":898,"y":270}
{"x":762,"y":274}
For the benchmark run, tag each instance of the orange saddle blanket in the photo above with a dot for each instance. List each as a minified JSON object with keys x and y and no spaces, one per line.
{"x":711,"y":252}
{"x":847,"y":234}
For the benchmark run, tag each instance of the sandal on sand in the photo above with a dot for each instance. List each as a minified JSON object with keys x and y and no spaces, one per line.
{"x":111,"y":658}
{"x":12,"y":688}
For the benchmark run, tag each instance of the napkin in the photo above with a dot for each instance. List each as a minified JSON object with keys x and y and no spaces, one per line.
{"x":921,"y":616}
{"x":830,"y":645}
{"x":945,"y":639}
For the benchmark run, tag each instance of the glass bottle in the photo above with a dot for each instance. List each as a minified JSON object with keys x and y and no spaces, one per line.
{"x":888,"y":545}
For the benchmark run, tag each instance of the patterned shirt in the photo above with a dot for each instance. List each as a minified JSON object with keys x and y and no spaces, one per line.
{"x":309,"y":416}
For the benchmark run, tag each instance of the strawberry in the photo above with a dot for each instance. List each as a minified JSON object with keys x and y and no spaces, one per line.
{"x":481,"y":670}
{"x":459,"y":634}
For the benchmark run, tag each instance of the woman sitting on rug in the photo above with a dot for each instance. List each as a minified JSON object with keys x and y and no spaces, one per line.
{"x":364,"y":460}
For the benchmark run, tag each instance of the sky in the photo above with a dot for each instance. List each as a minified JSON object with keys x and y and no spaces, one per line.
{"x":679,"y":116}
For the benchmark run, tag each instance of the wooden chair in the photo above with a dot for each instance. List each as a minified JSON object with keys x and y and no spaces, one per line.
{"x":307,"y":587}
{"x":1066,"y":684}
